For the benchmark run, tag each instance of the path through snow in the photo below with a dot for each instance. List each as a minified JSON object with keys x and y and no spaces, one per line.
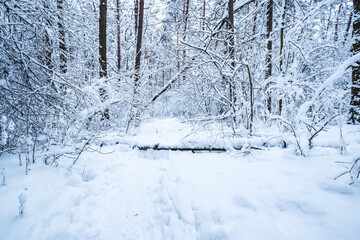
{"x":131,"y":194}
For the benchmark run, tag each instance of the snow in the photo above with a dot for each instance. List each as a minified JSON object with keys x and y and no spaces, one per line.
{"x":124,"y":193}
{"x":328,"y":83}
{"x":173,"y":132}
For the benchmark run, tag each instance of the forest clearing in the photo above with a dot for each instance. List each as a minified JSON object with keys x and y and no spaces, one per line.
{"x":179,"y":119}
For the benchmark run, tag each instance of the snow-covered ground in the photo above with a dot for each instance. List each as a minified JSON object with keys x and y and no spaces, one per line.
{"x":124,"y":193}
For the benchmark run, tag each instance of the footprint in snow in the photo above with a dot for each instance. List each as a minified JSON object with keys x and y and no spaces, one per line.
{"x":242,"y":202}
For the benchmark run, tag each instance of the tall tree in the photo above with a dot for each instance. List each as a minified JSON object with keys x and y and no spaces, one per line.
{"x":102,"y":51}
{"x":118,"y":35}
{"x":337,"y":22}
{"x":255,"y":17}
{"x":48,"y":39}
{"x":355,"y":88}
{"x":185,"y":17}
{"x":232,"y":57}
{"x":102,"y":38}
{"x":62,"y":41}
{"x":268,"y":60}
{"x":282,"y":36}
{"x":136,"y":15}
{"x":203,"y":17}
{"x":139,"y":45}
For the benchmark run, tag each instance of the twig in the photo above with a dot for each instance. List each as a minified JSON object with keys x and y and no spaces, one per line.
{"x":295,"y":135}
{"x":349,"y":172}
{"x":322,"y":128}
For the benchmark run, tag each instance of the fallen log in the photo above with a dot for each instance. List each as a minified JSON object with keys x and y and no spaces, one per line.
{"x":192,"y":149}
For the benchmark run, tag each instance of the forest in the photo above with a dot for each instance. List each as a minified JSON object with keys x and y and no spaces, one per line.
{"x":179,"y":119}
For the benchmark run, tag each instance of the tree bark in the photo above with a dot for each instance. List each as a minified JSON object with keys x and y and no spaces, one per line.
{"x":185,"y":16}
{"x":136,"y":15}
{"x":348,"y":27}
{"x":255,"y":18}
{"x":102,"y":52}
{"x":203,"y":17}
{"x":62,"y":40}
{"x":268,"y":61}
{"x":48,"y":44}
{"x":118,"y":35}
{"x":138,"y":46}
{"x":134,"y":112}
{"x":102,"y":38}
{"x":282,"y":36}
{"x":232,"y":57}
{"x":193,"y":149}
{"x":337,"y":22}
{"x":355,"y":88}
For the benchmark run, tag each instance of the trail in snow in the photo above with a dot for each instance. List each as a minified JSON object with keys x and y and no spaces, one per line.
{"x":113,"y":199}
{"x":154,"y":195}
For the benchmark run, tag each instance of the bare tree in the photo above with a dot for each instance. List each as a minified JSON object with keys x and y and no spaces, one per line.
{"x":62,"y":40}
{"x":186,"y":17}
{"x":136,"y":16}
{"x":102,"y":38}
{"x":138,"y":45}
{"x":355,"y":89}
{"x":203,"y":16}
{"x":268,"y":61}
{"x":118,"y":35}
{"x":282,"y":36}
{"x":337,"y":21}
{"x":232,"y":57}
{"x":102,"y":51}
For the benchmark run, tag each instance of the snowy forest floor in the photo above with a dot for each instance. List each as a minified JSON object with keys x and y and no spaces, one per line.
{"x":125,"y":193}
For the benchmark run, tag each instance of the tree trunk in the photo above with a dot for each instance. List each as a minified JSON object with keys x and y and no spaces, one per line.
{"x":134,"y":112}
{"x":62,"y":40}
{"x":102,"y":38}
{"x":337,"y":22}
{"x":255,"y":18}
{"x":138,"y":46}
{"x":355,"y":89}
{"x":118,"y":35}
{"x":232,"y":57}
{"x":48,"y":44}
{"x":102,"y":51}
{"x":348,"y":27}
{"x":268,"y":61}
{"x":136,"y":16}
{"x":186,"y":16}
{"x":282,"y":35}
{"x":203,"y":17}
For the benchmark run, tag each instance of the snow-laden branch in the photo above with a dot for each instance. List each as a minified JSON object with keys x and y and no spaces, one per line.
{"x":309,"y":14}
{"x":328,"y":82}
{"x":168,"y":85}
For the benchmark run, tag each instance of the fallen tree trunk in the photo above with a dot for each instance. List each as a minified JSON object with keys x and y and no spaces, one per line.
{"x":192,"y":149}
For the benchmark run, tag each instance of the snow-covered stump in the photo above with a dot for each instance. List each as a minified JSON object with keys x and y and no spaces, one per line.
{"x":22,"y":200}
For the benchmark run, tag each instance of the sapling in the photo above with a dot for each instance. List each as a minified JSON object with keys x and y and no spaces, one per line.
{"x":3,"y":176}
{"x":22,"y":200}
